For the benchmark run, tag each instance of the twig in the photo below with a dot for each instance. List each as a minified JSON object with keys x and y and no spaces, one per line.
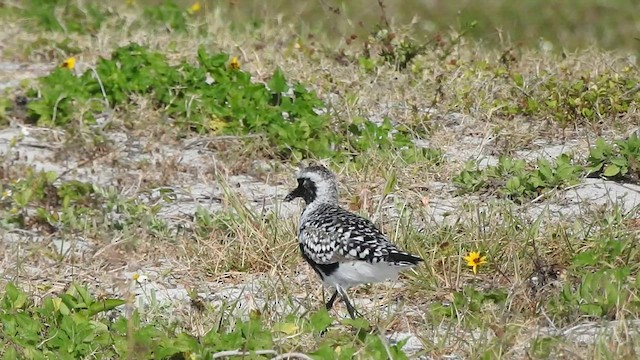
{"x":83,"y":163}
{"x":289,"y":355}
{"x":104,"y":93}
{"x":221,"y":137}
{"x":39,"y":146}
{"x":383,"y":14}
{"x":228,"y":353}
{"x":292,"y":355}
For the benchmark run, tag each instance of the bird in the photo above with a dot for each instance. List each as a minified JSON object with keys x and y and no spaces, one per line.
{"x":343,"y":248}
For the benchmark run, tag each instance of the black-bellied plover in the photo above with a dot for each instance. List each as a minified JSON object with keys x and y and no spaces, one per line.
{"x":343,"y":248}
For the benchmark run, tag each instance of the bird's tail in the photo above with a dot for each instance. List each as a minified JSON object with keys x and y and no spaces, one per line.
{"x":404,"y":258}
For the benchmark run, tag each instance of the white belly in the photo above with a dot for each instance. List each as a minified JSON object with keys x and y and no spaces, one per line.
{"x":353,"y":273}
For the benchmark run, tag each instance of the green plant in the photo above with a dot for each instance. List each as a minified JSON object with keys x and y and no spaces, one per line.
{"x":599,"y":274}
{"x":514,"y":179}
{"x":365,"y":135}
{"x":5,"y":105}
{"x":467,"y":304}
{"x":605,"y":293}
{"x":210,"y":97}
{"x":72,"y":325}
{"x":394,"y":51}
{"x":168,"y":14}
{"x":577,"y":100}
{"x":65,"y":15}
{"x":543,"y":347}
{"x":67,"y":322}
{"x":619,"y":160}
{"x":391,"y":48}
{"x":35,"y":199}
{"x":39,"y":200}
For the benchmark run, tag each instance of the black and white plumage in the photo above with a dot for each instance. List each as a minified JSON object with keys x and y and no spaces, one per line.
{"x":343,"y":248}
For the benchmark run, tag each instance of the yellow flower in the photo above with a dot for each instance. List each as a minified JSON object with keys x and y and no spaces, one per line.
{"x":234,"y":64}
{"x":70,"y":63}
{"x":194,"y":8}
{"x":140,"y":279}
{"x":6,"y":194}
{"x":216,"y":124}
{"x":474,"y":260}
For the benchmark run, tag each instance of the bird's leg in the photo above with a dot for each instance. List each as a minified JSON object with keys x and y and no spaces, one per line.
{"x":352,"y":311}
{"x":329,"y":304}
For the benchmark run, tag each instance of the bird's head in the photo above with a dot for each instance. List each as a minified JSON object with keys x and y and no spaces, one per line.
{"x":315,"y":183}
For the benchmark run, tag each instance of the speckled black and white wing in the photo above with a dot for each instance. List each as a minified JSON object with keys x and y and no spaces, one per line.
{"x":330,"y":234}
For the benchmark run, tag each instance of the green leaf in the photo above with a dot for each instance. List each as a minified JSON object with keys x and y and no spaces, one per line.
{"x":287,"y":328}
{"x":10,"y":353}
{"x":518,"y":80}
{"x":611,"y":170}
{"x":513,"y":184}
{"x":320,"y":320}
{"x":619,"y":161}
{"x":594,"y":168}
{"x":587,"y":258}
{"x":591,"y":309}
{"x":105,"y":305}
{"x":14,"y":298}
{"x":357,"y":323}
{"x":544,"y":167}
{"x":278,"y":84}
{"x":82,"y":294}
{"x":390,"y":183}
{"x":325,"y":352}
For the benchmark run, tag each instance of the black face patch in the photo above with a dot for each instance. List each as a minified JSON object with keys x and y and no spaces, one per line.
{"x":306,"y":190}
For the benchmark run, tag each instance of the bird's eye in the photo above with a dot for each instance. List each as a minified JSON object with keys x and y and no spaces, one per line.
{"x":307,"y":183}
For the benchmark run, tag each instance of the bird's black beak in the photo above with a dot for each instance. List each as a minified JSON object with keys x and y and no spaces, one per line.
{"x":296,"y":193}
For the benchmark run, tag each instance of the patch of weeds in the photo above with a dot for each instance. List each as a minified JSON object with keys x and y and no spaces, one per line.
{"x":468,"y":305}
{"x":389,"y":141}
{"x":209,"y":98}
{"x":120,"y":213}
{"x":65,"y":15}
{"x":579,"y":100}
{"x":617,"y":161}
{"x":5,"y":106}
{"x":590,"y":99}
{"x":433,"y":156}
{"x":517,"y":180}
{"x":605,"y":293}
{"x":238,"y":238}
{"x":67,"y":321}
{"x":76,"y":326}
{"x":218,"y":225}
{"x":365,"y":135}
{"x":36,"y":201}
{"x":169,"y":15}
{"x":395,"y":51}
{"x":543,"y":347}
{"x":59,"y":97}
{"x":601,"y":284}
{"x":365,"y":344}
{"x":399,"y":50}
